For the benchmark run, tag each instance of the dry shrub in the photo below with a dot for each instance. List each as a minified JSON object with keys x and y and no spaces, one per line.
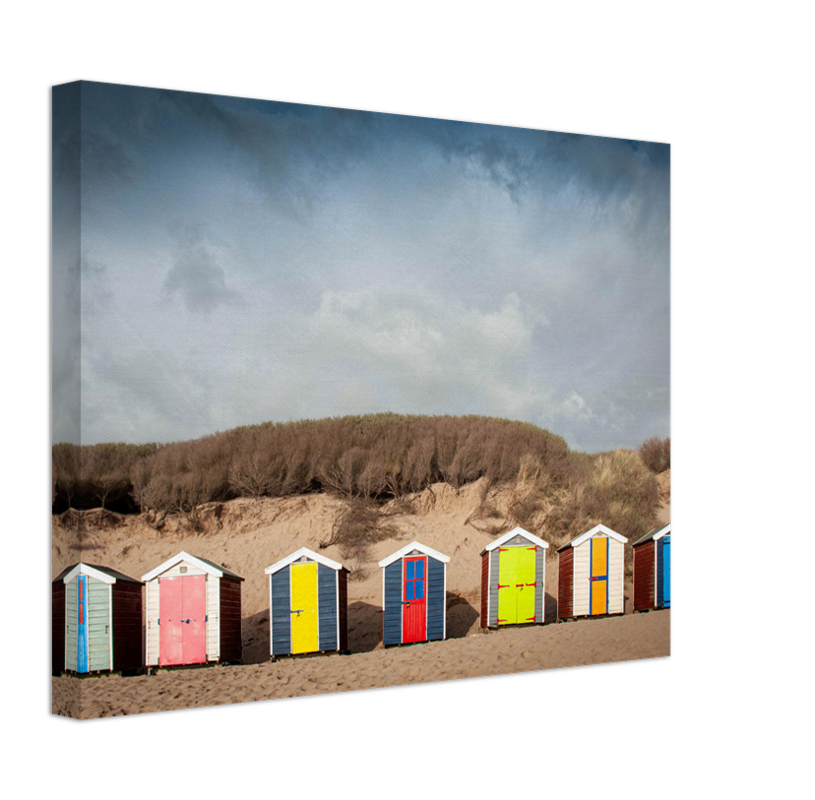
{"x":357,"y":527}
{"x":369,"y":460}
{"x":622,"y":494}
{"x":656,"y":454}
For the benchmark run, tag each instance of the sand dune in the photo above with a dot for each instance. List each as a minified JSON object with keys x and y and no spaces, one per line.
{"x":246,"y":536}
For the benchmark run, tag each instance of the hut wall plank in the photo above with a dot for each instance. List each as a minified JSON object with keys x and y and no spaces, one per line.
{"x":485,"y":587}
{"x":436,"y":601}
{"x":231,"y":644}
{"x":582,"y":555}
{"x":152,"y":592}
{"x":57,"y":626}
{"x":392,"y":614}
{"x":281,"y":612}
{"x":540,"y":580}
{"x":616,"y":566}
{"x":565,"y":588}
{"x":342,"y":585}
{"x":327,"y":607}
{"x":70,"y":625}
{"x":98,"y":625}
{"x":494,"y":556}
{"x":660,"y":574}
{"x":213,"y":616}
{"x":127,"y":625}
{"x":644,"y":576}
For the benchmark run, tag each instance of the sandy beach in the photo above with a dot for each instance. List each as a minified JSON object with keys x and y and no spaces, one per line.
{"x":246,"y":536}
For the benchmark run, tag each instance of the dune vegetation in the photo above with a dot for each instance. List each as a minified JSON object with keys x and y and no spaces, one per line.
{"x":369,"y":460}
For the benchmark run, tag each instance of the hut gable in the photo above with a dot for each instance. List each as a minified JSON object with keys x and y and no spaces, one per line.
{"x":303,"y":555}
{"x":420,"y":549}
{"x":509,"y":537}
{"x":654,"y":535}
{"x":201,"y":566}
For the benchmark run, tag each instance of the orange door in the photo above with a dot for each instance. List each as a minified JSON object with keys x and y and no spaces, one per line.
{"x":599,"y":575}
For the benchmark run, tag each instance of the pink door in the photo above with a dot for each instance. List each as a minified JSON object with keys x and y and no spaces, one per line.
{"x":183,"y":620}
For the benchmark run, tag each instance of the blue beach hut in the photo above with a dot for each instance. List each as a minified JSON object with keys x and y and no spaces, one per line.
{"x":414,"y":589}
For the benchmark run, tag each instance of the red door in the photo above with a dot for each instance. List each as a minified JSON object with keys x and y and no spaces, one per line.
{"x":182,"y":615}
{"x":414,"y":600}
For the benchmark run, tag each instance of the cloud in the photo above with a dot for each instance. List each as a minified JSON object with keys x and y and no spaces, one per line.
{"x":492,"y":159}
{"x":200,"y":281}
{"x":419,"y":351}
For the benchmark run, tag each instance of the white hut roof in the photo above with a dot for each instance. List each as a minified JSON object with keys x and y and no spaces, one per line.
{"x":422,"y":548}
{"x":512,"y":534}
{"x":577,"y":541}
{"x":655,"y":534}
{"x":210,"y":567}
{"x":104,"y":574}
{"x":303,"y":551}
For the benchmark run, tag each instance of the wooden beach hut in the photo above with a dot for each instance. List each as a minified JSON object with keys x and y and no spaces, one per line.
{"x":652,"y":570}
{"x":96,"y":619}
{"x":308,"y":604}
{"x":590,"y":574}
{"x":193,"y":613}
{"x":513,"y":574}
{"x":414,"y":589}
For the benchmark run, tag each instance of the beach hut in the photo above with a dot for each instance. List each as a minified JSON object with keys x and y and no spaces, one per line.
{"x":590,"y":574}
{"x":652,"y":569}
{"x":193,"y":613}
{"x":96,"y":619}
{"x":414,"y":590}
{"x":513,"y":574}
{"x":308,"y":604}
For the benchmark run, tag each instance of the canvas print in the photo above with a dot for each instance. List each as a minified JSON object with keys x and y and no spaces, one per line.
{"x":344,"y":400}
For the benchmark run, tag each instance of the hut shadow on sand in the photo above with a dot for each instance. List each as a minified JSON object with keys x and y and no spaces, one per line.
{"x":364,"y":626}
{"x":461,"y":616}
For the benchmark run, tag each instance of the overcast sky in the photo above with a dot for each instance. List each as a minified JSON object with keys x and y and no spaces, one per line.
{"x":243,"y":261}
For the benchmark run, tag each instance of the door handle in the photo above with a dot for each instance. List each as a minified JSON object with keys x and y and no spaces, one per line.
{"x":297,"y":611}
{"x":185,"y":620}
{"x":406,"y":602}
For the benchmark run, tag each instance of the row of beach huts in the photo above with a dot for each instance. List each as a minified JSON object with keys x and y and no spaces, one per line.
{"x":187,"y":610}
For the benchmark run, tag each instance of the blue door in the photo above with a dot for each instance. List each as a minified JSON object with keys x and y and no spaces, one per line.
{"x":666,"y":572}
{"x":82,"y":624}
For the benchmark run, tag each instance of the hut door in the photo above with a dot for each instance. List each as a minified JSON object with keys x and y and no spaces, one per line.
{"x":304,"y":617}
{"x":183,"y":620}
{"x":599,"y":575}
{"x":666,"y":572}
{"x":414,"y":602}
{"x":516,"y":585}
{"x":82,"y":624}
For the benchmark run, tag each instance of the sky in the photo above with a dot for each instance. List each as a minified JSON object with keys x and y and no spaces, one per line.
{"x":219,"y":261}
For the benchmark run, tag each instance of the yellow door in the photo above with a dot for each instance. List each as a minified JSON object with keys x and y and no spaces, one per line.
{"x":304,"y":619}
{"x":526,"y":581}
{"x":599,"y":575}
{"x":516,"y":585}
{"x":507,"y":591}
